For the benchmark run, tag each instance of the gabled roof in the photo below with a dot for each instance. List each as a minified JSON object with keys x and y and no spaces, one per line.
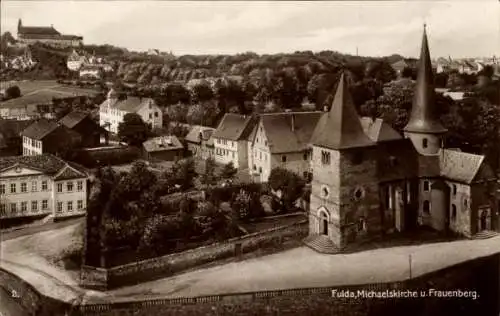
{"x":340,"y":128}
{"x":46,"y":163}
{"x":289,"y":131}
{"x":39,"y":129}
{"x":38,"y":30}
{"x":234,"y":127}
{"x":162,"y":143}
{"x":378,"y":130}
{"x":13,"y":128}
{"x":130,"y":104}
{"x":194,"y":134}
{"x":69,"y":172}
{"x":73,"y":118}
{"x":461,"y":167}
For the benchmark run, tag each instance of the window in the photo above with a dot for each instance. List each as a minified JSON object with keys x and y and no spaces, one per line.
{"x":265,"y":142}
{"x":12,"y":188}
{"x":426,"y":185}
{"x":79,"y":186}
{"x":34,"y":186}
{"x":425,"y":143}
{"x":33,"y":143}
{"x":361,"y":224}
{"x":34,"y":206}
{"x":453,"y":212}
{"x":156,"y":114}
{"x":233,"y":154}
{"x":257,"y":139}
{"x":260,"y":169}
{"x":59,"y":187}
{"x":24,"y":187}
{"x":454,"y":189}
{"x":283,"y":158}
{"x":254,"y":167}
{"x":325,"y":192}
{"x":69,"y":186}
{"x":70,"y":205}
{"x":305,"y":156}
{"x":44,"y":185}
{"x":260,"y":155}
{"x":465,"y":202}
{"x":358,"y":193}
{"x":3,"y":209}
{"x":325,"y":157}
{"x":45,"y":204}
{"x":79,"y":204}
{"x":2,"y":188}
{"x":59,"y":207}
{"x":24,"y":206}
{"x":427,"y":207}
{"x":394,"y":161}
{"x":150,"y":116}
{"x":13,"y":208}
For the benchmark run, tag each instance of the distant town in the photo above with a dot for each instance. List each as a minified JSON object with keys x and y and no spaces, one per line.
{"x":124,"y":174}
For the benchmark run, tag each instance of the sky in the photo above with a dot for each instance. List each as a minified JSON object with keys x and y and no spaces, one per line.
{"x":457,"y":28}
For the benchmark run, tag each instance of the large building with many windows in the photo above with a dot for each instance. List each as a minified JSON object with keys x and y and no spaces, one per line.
{"x":34,"y":186}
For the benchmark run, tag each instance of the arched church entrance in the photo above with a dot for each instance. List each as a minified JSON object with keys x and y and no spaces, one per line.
{"x":323,"y":223}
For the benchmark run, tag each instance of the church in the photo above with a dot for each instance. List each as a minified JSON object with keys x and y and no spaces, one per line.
{"x":46,"y":35}
{"x":370,"y":180}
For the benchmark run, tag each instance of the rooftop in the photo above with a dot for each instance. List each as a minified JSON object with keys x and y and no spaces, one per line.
{"x":39,"y":129}
{"x":162,"y":143}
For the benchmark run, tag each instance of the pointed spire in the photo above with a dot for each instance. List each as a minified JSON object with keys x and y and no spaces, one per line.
{"x":341,"y":128}
{"x":424,"y":117}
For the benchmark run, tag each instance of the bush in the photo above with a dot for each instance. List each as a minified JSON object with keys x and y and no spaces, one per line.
{"x":92,"y":159}
{"x":13,"y":92}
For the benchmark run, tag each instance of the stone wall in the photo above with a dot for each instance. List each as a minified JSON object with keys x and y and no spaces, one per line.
{"x":164,"y":266}
{"x":481,"y":275}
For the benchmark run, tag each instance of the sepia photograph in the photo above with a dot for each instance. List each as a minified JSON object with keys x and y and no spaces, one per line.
{"x":262,"y":158}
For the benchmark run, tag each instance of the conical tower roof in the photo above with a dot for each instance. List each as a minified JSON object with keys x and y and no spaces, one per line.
{"x":340,"y":128}
{"x":424,"y":117}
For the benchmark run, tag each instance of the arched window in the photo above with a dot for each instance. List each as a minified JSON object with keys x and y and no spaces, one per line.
{"x":453,"y":212}
{"x":426,"y":185}
{"x":425,"y":143}
{"x":454,"y":189}
{"x":427,"y":207}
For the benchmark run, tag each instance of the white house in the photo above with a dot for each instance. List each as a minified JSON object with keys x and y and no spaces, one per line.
{"x":231,"y":139}
{"x":33,"y":186}
{"x":112,"y":111}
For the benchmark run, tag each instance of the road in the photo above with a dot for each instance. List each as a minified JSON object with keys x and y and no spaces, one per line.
{"x":9,"y":305}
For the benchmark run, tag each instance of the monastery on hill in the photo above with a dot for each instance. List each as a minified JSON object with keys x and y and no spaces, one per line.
{"x":46,"y":35}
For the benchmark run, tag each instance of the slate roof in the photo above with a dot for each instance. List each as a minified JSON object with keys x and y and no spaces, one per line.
{"x":234,"y":127}
{"x":160,"y":144}
{"x":47,"y":163}
{"x":280,"y":135}
{"x":39,"y":129}
{"x":73,"y":118}
{"x":462,"y":167}
{"x":194,"y":134}
{"x":340,"y":128}
{"x":378,"y":130}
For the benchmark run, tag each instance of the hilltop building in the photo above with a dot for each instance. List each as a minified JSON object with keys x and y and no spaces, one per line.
{"x":46,"y":35}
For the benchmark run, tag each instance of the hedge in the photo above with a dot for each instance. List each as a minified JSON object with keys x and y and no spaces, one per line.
{"x":114,"y":156}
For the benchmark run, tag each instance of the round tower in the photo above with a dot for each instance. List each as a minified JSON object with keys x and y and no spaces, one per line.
{"x":424,"y":128}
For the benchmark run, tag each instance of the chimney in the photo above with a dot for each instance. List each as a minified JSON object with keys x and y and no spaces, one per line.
{"x":293,"y":122}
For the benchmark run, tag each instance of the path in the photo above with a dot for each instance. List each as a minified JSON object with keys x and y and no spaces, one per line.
{"x":297,"y":268}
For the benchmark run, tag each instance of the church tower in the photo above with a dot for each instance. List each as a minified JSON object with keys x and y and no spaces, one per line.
{"x":344,"y":204}
{"x":424,"y":128}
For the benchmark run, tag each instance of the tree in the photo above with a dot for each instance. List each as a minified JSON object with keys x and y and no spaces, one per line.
{"x":177,"y":113}
{"x":289,"y":183}
{"x":208,"y":177}
{"x":12,"y":92}
{"x":133,"y":130}
{"x":183,"y":173}
{"x":202,"y":92}
{"x":228,"y":172}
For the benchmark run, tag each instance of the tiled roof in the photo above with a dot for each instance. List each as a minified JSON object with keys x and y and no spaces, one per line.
{"x":460,"y":166}
{"x":39,"y":129}
{"x":378,"y":130}
{"x":73,"y":118}
{"x":162,"y":144}
{"x":130,"y":104}
{"x":13,"y":128}
{"x":340,"y":128}
{"x":46,"y":163}
{"x":194,"y":133}
{"x":280,"y":135}
{"x":233,"y":127}
{"x":38,"y":30}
